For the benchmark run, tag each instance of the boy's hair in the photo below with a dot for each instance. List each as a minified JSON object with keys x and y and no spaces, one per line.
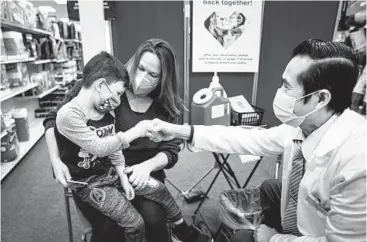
{"x":104,"y":65}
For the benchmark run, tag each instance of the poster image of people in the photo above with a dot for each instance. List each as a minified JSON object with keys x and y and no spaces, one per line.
{"x":226,"y":30}
{"x":226,"y":35}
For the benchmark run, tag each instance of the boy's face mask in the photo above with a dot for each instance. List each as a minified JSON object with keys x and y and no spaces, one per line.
{"x":283,"y":106}
{"x":108,"y":101}
{"x":142,"y":86}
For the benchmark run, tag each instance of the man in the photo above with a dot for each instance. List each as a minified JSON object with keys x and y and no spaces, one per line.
{"x":322,"y":194}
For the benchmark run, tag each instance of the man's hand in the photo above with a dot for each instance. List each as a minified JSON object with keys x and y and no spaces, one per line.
{"x":129,"y":190}
{"x":264,"y":233}
{"x":139,"y":175}
{"x":61,"y":172}
{"x":162,"y":131}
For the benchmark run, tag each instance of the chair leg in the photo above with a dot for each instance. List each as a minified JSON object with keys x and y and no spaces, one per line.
{"x":84,"y":238}
{"x":68,"y":216}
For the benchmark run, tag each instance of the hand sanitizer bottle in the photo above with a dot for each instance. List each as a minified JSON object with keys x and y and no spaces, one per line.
{"x":216,"y":87}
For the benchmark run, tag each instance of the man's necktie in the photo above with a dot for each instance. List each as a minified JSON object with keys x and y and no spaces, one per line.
{"x":298,"y":167}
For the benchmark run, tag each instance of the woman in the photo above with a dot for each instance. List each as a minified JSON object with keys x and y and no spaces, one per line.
{"x":211,"y":25}
{"x":153,"y":93}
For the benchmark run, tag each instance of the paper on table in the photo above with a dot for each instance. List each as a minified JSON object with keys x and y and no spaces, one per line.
{"x":240,"y":104}
{"x":248,"y":158}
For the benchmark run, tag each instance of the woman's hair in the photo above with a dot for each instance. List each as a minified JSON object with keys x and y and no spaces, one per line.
{"x":243,"y":19}
{"x":207,"y":21}
{"x":167,"y":91}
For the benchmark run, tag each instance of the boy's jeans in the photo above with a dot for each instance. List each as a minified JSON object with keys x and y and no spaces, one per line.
{"x":105,"y":193}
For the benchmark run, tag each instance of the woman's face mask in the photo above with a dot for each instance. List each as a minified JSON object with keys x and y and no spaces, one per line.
{"x":283,"y":106}
{"x":142,"y":86}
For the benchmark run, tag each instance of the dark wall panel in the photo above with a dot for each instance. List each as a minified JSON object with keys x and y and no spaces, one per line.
{"x":286,"y":24}
{"x":137,"y":21}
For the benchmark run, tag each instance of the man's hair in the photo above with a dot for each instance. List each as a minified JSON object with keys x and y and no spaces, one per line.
{"x":104,"y":65}
{"x":335,"y":68}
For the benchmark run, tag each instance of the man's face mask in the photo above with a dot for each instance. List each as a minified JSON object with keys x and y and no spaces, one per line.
{"x":283,"y":106}
{"x":142,"y":86}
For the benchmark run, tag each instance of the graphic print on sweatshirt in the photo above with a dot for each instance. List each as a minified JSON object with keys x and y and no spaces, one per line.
{"x":88,"y":160}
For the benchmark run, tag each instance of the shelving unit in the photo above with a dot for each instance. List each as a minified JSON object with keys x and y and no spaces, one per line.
{"x":12,"y":61}
{"x":11,"y":99}
{"x":9,"y":93}
{"x":7,"y":25}
{"x":43,"y":94}
{"x":36,"y":132}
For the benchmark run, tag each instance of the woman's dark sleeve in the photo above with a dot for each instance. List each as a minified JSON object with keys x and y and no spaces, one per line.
{"x":50,"y":119}
{"x":171,"y":149}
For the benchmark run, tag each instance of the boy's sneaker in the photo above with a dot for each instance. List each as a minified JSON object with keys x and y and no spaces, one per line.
{"x":191,"y":233}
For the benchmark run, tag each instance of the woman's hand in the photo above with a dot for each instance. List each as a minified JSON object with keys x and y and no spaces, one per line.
{"x":61,"y":172}
{"x":139,"y":175}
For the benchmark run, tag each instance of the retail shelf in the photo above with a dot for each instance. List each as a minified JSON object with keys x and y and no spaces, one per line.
{"x":9,"y":93}
{"x":73,"y":40}
{"x":45,"y":93}
{"x":40,"y":62}
{"x":7,"y":25}
{"x":3,"y":133}
{"x":17,"y":60}
{"x":60,"y":61}
{"x":35,"y":133}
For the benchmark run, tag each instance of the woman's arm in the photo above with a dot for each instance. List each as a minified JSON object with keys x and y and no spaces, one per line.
{"x":166,"y":158}
{"x":167,"y":155}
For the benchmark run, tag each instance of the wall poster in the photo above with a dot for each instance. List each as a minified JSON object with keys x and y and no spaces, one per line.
{"x":226,"y":35}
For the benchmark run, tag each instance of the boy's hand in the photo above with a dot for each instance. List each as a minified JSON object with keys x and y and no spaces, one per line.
{"x":61,"y":172}
{"x":144,"y":128}
{"x":129,"y":190}
{"x":162,"y":131}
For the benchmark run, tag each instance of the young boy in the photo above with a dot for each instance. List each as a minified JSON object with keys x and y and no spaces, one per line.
{"x":91,"y":149}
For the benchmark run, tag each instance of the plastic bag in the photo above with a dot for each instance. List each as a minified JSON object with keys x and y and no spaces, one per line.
{"x":241,"y":209}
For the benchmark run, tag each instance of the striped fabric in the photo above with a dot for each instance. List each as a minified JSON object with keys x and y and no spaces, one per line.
{"x":298,"y":167}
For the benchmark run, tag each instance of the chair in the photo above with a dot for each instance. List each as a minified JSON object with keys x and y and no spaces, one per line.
{"x":86,"y":227}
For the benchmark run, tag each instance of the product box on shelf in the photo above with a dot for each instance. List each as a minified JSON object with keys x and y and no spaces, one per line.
{"x":4,"y":79}
{"x":30,"y":45}
{"x":4,"y":10}
{"x":3,"y":52}
{"x":65,"y":73}
{"x":9,"y":147}
{"x":41,"y":112}
{"x":42,"y":20}
{"x":47,"y":48}
{"x":16,"y":12}
{"x":30,"y":13}
{"x":14,"y":46}
{"x":20,"y":116}
{"x":17,"y":74}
